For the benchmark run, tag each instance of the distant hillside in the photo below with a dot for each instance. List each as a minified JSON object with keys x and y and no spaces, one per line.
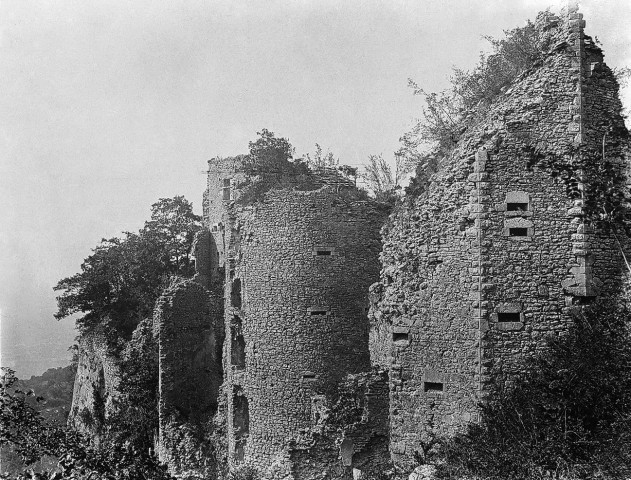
{"x":55,"y":385}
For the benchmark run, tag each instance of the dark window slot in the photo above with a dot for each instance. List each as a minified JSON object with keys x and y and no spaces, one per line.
{"x":237,"y":347}
{"x":583,"y":300}
{"x":509,"y":317}
{"x":317,"y":312}
{"x":309,"y":376}
{"x":516,"y":207}
{"x":226,"y":189}
{"x":400,"y":337}
{"x":518,"y":232}
{"x":241,"y":416}
{"x":433,"y":387}
{"x":322,"y":253}
{"x":235,"y":293}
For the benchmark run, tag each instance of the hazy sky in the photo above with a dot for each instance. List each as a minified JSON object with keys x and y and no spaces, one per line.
{"x":107,"y":106}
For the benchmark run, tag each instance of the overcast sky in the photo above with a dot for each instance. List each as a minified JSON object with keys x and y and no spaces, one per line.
{"x":109,"y":105}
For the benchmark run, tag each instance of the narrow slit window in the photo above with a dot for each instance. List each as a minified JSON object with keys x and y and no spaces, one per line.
{"x":235,"y":293}
{"x":226,"y":189}
{"x":308,"y":376}
{"x":435,"y":387}
{"x":398,"y":337}
{"x":508,"y":317}
{"x":323,"y":251}
{"x":516,"y":207}
{"x":314,"y":313}
{"x":518,"y":232}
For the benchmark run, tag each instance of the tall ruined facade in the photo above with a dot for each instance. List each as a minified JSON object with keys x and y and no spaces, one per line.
{"x":519,"y":228}
{"x":298,"y":264}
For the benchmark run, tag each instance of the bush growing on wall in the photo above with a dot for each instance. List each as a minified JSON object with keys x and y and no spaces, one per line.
{"x":569,"y":414}
{"x":448,"y":114}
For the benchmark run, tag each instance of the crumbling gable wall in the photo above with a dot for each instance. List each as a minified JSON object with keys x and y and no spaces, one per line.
{"x":504,"y":246}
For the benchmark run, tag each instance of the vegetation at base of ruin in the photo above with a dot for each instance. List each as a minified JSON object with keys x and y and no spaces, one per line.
{"x":448,"y":114}
{"x":134,"y":416}
{"x":189,"y":448}
{"x":121,"y":280}
{"x":26,"y":431}
{"x":218,"y":433}
{"x":243,"y":472}
{"x":567,"y":416}
{"x":51,"y":397}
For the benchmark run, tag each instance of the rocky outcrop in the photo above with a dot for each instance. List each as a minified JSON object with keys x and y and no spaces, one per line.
{"x":96,"y":384}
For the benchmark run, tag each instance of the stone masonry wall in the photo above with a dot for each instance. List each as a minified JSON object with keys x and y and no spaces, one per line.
{"x":343,"y":446}
{"x":303,"y":262}
{"x":502,"y":248}
{"x":190,"y":368}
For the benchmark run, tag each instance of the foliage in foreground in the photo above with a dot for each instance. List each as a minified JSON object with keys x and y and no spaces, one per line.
{"x":24,"y":429}
{"x":567,"y":416}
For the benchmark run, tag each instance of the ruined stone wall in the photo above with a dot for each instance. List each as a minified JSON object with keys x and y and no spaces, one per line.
{"x":300,"y":264}
{"x":343,"y":444}
{"x":189,"y":332}
{"x":498,"y":253}
{"x":96,"y":385}
{"x":224,"y":177}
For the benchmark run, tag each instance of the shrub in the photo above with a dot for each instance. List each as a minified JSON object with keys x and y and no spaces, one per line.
{"x":568,"y":414}
{"x":449,"y":113}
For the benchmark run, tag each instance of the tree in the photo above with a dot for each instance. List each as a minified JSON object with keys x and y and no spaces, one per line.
{"x":269,"y":154}
{"x":122,"y":279}
{"x":270,"y":165}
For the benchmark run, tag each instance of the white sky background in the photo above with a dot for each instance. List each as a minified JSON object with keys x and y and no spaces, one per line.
{"x":107,"y":106}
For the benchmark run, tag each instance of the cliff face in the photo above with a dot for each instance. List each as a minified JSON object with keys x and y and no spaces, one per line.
{"x":96,"y":385}
{"x":507,"y":243}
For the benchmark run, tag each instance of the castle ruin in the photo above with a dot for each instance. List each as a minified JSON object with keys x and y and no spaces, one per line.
{"x":521,"y":226}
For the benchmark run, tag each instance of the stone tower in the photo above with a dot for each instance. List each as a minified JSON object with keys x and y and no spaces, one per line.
{"x":297,"y":266}
{"x":515,"y":233}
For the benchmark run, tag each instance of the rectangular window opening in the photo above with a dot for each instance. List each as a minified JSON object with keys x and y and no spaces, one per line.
{"x":399,"y":337}
{"x":309,"y":376}
{"x":516,"y":207}
{"x":321,"y":253}
{"x":509,"y":317}
{"x":317,"y":312}
{"x":226,"y":189}
{"x":518,"y":232}
{"x":433,"y":387}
